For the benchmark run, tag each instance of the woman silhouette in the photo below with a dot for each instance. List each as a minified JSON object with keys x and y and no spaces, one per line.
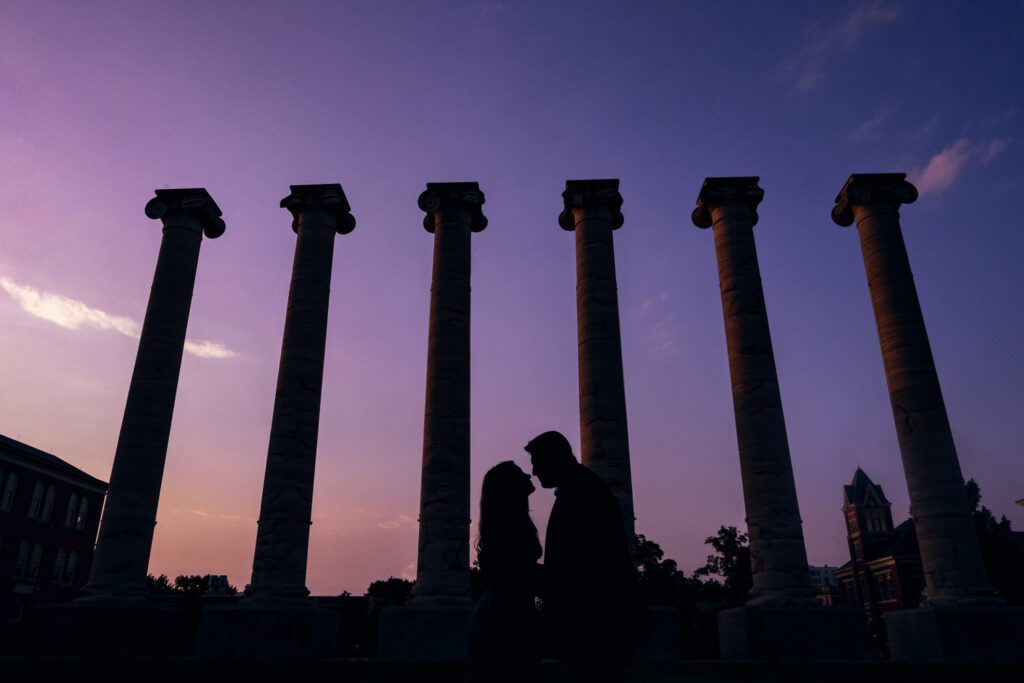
{"x":503,"y":628}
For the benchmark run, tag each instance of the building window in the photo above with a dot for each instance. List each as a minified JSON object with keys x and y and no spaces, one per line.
{"x":58,"y":566}
{"x":37,"y":501}
{"x":10,"y":485}
{"x":22,"y":562}
{"x":851,"y":593}
{"x":885,"y":591}
{"x":32,"y":571}
{"x":51,"y":499}
{"x":876,"y":521}
{"x":16,"y":613}
{"x":72,"y":514}
{"x":70,"y":567}
{"x":83,"y":514}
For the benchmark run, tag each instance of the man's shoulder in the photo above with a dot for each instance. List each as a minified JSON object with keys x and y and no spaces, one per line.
{"x":587,"y":487}
{"x":591,"y":481}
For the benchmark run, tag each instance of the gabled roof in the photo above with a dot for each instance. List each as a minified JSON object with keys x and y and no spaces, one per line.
{"x":859,"y":491}
{"x":903,"y":541}
{"x":46,"y":462}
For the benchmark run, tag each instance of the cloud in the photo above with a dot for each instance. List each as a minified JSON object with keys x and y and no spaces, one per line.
{"x":409,"y":573}
{"x":66,"y":312}
{"x":210,"y":515}
{"x":808,"y":67}
{"x":944,"y":168}
{"x":664,"y":336}
{"x":871,"y":129}
{"x":992,"y":149}
{"x":207,"y":349}
{"x":76,"y":315}
{"x":396,"y":523}
{"x":659,"y":322}
{"x":645,"y":308}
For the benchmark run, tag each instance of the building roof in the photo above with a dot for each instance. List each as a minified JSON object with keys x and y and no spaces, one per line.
{"x":856,"y":493}
{"x":903,"y":541}
{"x":34,"y":458}
{"x":1017,"y":538}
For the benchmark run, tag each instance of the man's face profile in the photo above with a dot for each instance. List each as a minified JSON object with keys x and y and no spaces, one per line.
{"x":541,"y":463}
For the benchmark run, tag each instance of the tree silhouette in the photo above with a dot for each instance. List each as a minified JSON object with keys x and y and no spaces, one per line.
{"x":184,"y":584}
{"x":159,"y":585}
{"x":392,"y":590}
{"x":731,"y":562}
{"x":1002,"y":553}
{"x":661,"y":581}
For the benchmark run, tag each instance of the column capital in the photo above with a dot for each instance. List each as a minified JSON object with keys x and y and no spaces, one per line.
{"x":872,"y":188}
{"x":733,"y":190}
{"x":580,"y":194}
{"x":443,"y":198}
{"x":195,"y":202}
{"x":330,"y":198}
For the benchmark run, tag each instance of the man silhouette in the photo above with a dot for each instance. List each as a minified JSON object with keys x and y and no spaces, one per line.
{"x":590,"y":593}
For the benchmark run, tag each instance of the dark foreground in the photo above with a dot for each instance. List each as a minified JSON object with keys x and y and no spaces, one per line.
{"x":373,"y":671}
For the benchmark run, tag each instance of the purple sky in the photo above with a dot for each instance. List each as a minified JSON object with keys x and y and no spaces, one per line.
{"x":100,"y":103}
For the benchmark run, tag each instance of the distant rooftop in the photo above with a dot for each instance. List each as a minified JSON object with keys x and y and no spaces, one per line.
{"x":856,"y":492}
{"x":47,"y":461}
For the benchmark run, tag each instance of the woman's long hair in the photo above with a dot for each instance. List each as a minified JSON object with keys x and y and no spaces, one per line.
{"x":507,"y":534}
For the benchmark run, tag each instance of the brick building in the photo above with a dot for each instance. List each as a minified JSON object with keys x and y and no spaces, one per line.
{"x":884,"y":572}
{"x":49,"y":515}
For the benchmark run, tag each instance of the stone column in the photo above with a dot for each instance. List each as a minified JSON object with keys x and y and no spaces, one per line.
{"x":282,"y":542}
{"x":782,"y":621}
{"x":129,"y":515}
{"x":961,"y":618}
{"x":453,"y":213}
{"x":777,"y":554}
{"x":593,"y":209}
{"x":953,"y":568}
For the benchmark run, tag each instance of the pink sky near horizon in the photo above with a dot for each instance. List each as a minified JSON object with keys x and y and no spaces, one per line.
{"x":102,"y":103}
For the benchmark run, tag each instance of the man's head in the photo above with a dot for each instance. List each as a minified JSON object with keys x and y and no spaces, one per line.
{"x":552,"y":458}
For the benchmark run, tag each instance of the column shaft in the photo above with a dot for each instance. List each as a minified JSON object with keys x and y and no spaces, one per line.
{"x":442,"y":574}
{"x":282,"y":542}
{"x":953,"y":566}
{"x":777,"y":553}
{"x":125,"y":536}
{"x":592,"y":211}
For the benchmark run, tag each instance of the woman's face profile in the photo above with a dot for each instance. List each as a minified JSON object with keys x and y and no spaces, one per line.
{"x":513,"y":479}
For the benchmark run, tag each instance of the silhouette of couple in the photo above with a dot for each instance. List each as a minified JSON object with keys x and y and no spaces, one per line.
{"x":587,"y":584}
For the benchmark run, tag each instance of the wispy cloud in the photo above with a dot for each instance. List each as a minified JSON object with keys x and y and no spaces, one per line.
{"x":210,"y":515}
{"x":397,"y":523}
{"x":76,"y":315}
{"x":662,"y":332}
{"x":809,"y":66}
{"x":872,"y":128}
{"x":664,"y":336}
{"x":943,"y":169}
{"x":207,"y":349}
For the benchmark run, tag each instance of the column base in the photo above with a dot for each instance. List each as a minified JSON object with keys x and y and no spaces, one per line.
{"x":793,"y":634}
{"x":424,"y":633}
{"x":98,"y":629}
{"x":267,"y":629}
{"x":661,"y":643}
{"x":957,"y":634}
